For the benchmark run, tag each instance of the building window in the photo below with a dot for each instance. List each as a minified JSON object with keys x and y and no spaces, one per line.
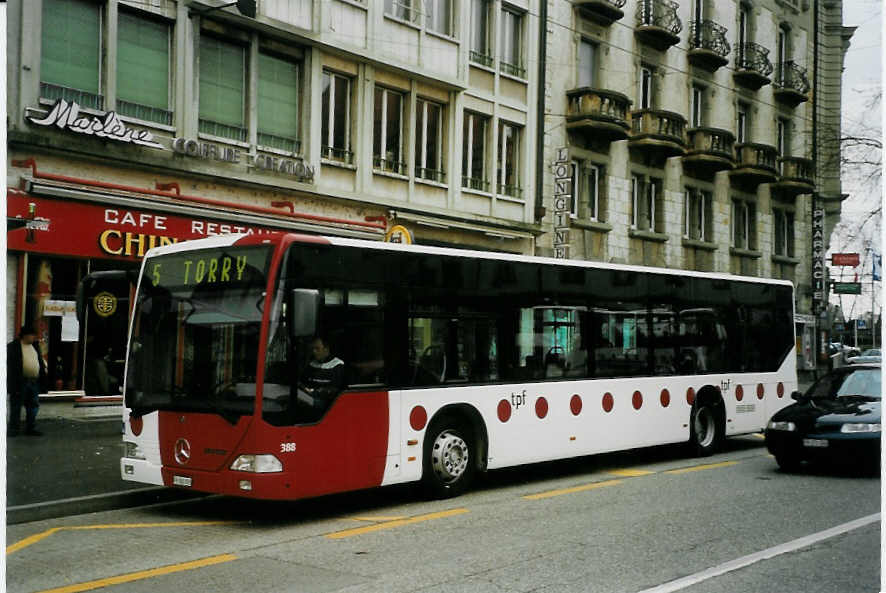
{"x":70,"y":54}
{"x":511,"y":46}
{"x":429,"y":141}
{"x":480,"y":51}
{"x":697,"y":106}
{"x":698,"y":215}
{"x":508,"y":160}
{"x":474,"y":151}
{"x":586,"y":195}
{"x":784,"y":232}
{"x":647,"y":87}
{"x":401,"y":9}
{"x":744,"y":23}
{"x":587,"y":63}
{"x":744,"y":224}
{"x":143,"y":68}
{"x":336,"y":115}
{"x":439,"y":16}
{"x":783,"y":136}
{"x":222,"y":88}
{"x":742,"y":125}
{"x":647,"y":206}
{"x":278,"y":103}
{"x":388,"y":131}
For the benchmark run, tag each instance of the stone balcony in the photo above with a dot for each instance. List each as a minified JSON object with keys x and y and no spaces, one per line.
{"x":708,"y":47}
{"x":796,"y":176}
{"x":658,"y":132}
{"x":598,"y":113}
{"x":791,"y":85}
{"x":755,"y":163}
{"x":709,"y":150}
{"x":752,"y":66}
{"x":604,"y":12}
{"x":658,"y":24}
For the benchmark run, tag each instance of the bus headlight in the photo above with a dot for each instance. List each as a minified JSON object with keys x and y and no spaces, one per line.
{"x":789,"y":426}
{"x":257,"y":464}
{"x":132,"y":450}
{"x":860,"y":427}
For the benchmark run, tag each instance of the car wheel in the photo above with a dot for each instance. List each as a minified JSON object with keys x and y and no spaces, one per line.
{"x":449,"y":463}
{"x":705,"y":432}
{"x":788,"y":462}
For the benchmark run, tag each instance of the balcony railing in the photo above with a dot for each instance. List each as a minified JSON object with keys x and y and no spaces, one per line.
{"x":658,"y":130}
{"x":752,"y":65}
{"x":285,"y":143}
{"x":710,"y":149}
{"x":337,"y":154}
{"x":658,"y":22}
{"x":794,"y":167}
{"x":482,"y":59}
{"x":475,"y":183}
{"x":54,"y":92}
{"x":221,"y":130}
{"x":791,"y":83}
{"x":598,"y":111}
{"x":144,"y":112}
{"x":512,"y":69}
{"x":604,"y":12}
{"x":757,"y":163}
{"x":388,"y":165}
{"x":435,"y":175}
{"x":708,"y":46}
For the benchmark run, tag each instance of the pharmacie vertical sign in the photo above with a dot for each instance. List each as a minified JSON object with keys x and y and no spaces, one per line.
{"x":819,"y":293}
{"x":562,"y":202}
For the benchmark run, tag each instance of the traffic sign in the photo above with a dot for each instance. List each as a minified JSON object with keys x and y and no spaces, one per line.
{"x":847,"y":287}
{"x":844,"y":259}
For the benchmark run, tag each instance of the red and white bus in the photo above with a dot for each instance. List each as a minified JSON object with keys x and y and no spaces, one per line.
{"x":455,"y":361}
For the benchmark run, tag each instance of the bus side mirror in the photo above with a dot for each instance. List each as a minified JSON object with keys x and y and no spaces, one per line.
{"x":797,"y":396}
{"x":304,"y":310}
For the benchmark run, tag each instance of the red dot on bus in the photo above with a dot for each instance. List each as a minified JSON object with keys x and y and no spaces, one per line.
{"x":575,"y":404}
{"x":608,"y":402}
{"x":637,"y":400}
{"x":418,"y":418}
{"x":739,"y":393}
{"x":690,"y":396}
{"x":136,"y":424}
{"x":665,"y":398}
{"x":760,"y":390}
{"x":504,"y":410}
{"x":541,"y":407}
{"x":780,"y":390}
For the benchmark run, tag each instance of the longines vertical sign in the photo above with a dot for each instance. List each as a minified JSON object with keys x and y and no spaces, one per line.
{"x":562,"y":203}
{"x":818,"y":271}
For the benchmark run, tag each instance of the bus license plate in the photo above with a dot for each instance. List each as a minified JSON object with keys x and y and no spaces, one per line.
{"x":181,"y":481}
{"x":815,"y":443}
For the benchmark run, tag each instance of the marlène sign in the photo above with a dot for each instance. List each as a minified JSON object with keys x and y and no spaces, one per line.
{"x":67,"y":116}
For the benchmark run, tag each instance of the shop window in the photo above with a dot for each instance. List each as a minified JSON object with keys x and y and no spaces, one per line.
{"x":278,"y":103}
{"x":336,"y":115}
{"x":222,"y":89}
{"x":508,"y":160}
{"x":388,"y":131}
{"x":143,"y":49}
{"x":474,"y":150}
{"x":429,"y":141}
{"x":70,"y":57}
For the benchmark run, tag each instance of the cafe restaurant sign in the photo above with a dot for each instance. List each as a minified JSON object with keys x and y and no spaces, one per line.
{"x":67,"y":116}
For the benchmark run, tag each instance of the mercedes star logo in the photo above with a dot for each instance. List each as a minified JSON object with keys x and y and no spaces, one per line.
{"x":182,"y":451}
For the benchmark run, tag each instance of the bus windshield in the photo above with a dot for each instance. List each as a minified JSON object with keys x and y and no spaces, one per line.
{"x":195,"y":332}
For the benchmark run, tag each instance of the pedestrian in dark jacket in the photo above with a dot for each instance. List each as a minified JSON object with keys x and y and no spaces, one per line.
{"x":25,"y":378}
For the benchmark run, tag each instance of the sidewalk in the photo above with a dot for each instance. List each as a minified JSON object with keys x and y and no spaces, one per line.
{"x":73,"y":468}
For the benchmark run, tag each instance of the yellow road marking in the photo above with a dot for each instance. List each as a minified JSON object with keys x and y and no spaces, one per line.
{"x":562,"y":491}
{"x":758,"y":435}
{"x":377,"y":519}
{"x":629,"y":473}
{"x":143,"y":574}
{"x":28,"y":541}
{"x":698,"y":468}
{"x":395,"y":523}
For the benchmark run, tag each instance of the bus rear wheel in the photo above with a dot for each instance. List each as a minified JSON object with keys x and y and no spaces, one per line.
{"x":705,"y":430}
{"x":449,"y":463}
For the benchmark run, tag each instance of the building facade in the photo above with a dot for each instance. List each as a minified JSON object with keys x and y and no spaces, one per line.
{"x":691,"y":138}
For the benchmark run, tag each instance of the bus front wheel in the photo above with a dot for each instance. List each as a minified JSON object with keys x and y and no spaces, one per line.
{"x":705,"y":430}
{"x":449,"y":465}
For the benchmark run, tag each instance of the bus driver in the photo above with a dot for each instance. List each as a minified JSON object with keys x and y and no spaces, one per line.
{"x":322,"y":379}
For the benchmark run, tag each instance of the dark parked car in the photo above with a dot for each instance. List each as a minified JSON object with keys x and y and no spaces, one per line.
{"x":837,"y":419}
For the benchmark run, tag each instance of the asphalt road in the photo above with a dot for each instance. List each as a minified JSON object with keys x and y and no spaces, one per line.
{"x":644,"y":521}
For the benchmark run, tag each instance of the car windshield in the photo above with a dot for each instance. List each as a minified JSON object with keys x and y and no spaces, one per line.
{"x":195,"y":331}
{"x":863,"y":382}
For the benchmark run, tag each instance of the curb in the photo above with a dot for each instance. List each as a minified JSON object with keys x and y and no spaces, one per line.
{"x":99,"y":502}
